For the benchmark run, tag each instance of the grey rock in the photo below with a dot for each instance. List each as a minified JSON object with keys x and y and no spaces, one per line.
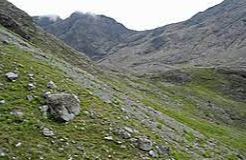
{"x":63,"y":107}
{"x":144,"y":144}
{"x":44,"y":110}
{"x":30,"y":75}
{"x":163,"y":150}
{"x":17,"y":113}
{"x":124,"y":133}
{"x":46,"y":94}
{"x":2,"y":153}
{"x":153,"y":154}
{"x":12,"y":76}
{"x":51,"y":85}
{"x":31,"y":86}
{"x":19,"y":144}
{"x":109,"y":138}
{"x":2,"y":102}
{"x":29,"y":98}
{"x":47,"y":132}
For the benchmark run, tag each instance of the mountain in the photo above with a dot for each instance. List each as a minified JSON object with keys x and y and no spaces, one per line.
{"x":94,"y":35}
{"x":55,"y":103}
{"x":215,"y":37}
{"x":45,"y":21}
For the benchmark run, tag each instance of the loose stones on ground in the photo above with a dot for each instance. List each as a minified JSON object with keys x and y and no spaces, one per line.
{"x":51,"y":85}
{"x":47,"y":132}
{"x":2,"y":102}
{"x":31,"y":86}
{"x":144,"y":144}
{"x":2,"y":153}
{"x":12,"y":76}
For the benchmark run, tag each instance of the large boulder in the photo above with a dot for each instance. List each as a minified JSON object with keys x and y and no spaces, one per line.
{"x":62,"y":106}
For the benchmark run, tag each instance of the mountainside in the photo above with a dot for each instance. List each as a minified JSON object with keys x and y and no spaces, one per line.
{"x":215,"y":37}
{"x":57,"y":104}
{"x":94,"y":35}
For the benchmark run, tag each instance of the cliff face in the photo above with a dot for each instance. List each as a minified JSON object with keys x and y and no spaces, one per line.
{"x":94,"y":35}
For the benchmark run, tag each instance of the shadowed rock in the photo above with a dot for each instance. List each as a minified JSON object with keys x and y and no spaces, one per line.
{"x":63,"y":107}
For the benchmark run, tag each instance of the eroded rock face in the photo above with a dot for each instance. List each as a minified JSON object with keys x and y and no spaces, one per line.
{"x":62,"y":106}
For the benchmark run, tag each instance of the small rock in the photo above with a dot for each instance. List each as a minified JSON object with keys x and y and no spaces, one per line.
{"x":124,"y":134}
{"x":30,"y":75}
{"x":18,"y":144}
{"x":47,"y":132}
{"x":29,"y":98}
{"x":80,"y":147}
{"x":144,"y":144}
{"x":17,"y":113}
{"x":46,"y":94}
{"x":44,"y":110}
{"x":31,"y":86}
{"x":162,"y":150}
{"x":2,"y":102}
{"x":153,"y":154}
{"x":12,"y":76}
{"x":51,"y":85}
{"x":109,"y":138}
{"x":2,"y":153}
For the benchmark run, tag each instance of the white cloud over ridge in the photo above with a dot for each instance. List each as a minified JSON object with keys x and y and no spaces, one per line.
{"x":134,"y":14}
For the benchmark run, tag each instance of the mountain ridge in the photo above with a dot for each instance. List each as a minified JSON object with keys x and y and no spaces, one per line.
{"x":205,"y":40}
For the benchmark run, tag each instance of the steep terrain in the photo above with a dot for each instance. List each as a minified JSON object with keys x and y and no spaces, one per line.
{"x":190,"y":113}
{"x":215,"y":37}
{"x":94,"y":35}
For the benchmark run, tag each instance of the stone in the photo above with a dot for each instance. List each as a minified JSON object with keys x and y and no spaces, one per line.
{"x":31,"y":86}
{"x":153,"y":154}
{"x":44,"y":110}
{"x":17,"y":113}
{"x":51,"y":85}
{"x":18,"y":144}
{"x":46,"y":94}
{"x":163,"y":150}
{"x":2,"y":102}
{"x":30,"y":75}
{"x":109,"y":138}
{"x":12,"y":76}
{"x":144,"y":144}
{"x":63,"y":107}
{"x":47,"y":132}
{"x":2,"y":153}
{"x":124,"y":134}
{"x":29,"y":98}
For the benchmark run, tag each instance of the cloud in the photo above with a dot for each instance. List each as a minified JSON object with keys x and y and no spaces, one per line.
{"x":135,"y":14}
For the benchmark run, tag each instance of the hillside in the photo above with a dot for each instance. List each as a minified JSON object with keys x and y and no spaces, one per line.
{"x":215,"y":37}
{"x":190,"y":113}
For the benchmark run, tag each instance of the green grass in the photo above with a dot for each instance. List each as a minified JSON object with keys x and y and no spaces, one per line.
{"x":27,"y":130}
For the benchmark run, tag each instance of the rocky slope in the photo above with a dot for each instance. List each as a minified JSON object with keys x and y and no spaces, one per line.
{"x":198,"y":113}
{"x":215,"y":37}
{"x":94,"y":35}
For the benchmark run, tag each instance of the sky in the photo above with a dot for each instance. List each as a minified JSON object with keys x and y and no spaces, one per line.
{"x":134,"y":14}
